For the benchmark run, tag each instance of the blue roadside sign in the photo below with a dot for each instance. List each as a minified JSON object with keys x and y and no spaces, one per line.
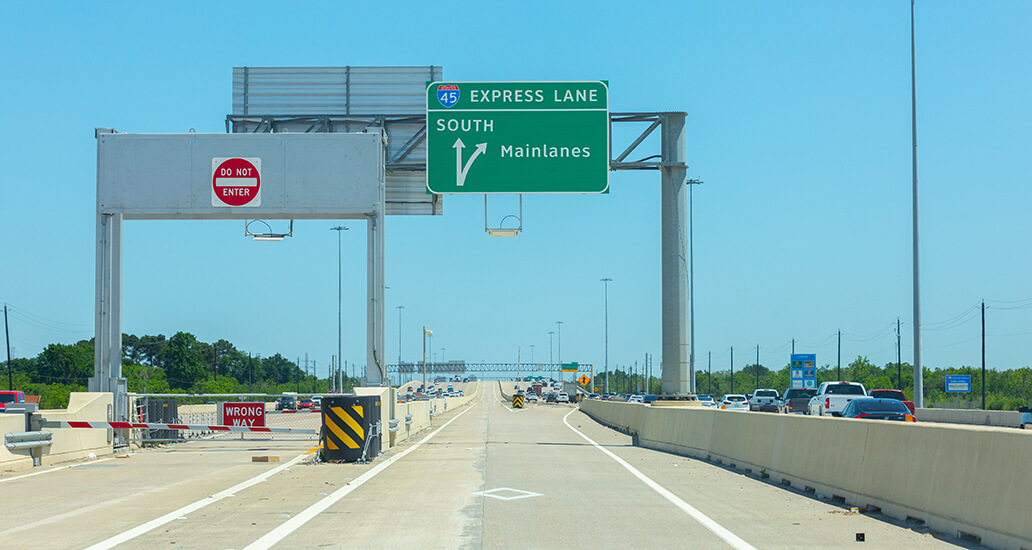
{"x":958,"y":383}
{"x":804,"y":370}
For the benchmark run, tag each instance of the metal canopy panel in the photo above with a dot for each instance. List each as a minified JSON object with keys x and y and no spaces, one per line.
{"x":302,"y":176}
{"x":331,"y":90}
{"x":347,"y":99}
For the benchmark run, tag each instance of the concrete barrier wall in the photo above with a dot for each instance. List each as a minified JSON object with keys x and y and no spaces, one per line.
{"x":13,"y":461}
{"x":423,"y":411}
{"x":73,"y":443}
{"x":957,"y":479}
{"x":1010,"y":419}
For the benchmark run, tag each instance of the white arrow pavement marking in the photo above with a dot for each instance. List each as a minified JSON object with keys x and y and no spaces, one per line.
{"x":460,"y":170}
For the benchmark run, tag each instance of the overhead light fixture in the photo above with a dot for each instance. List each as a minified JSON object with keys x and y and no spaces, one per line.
{"x":270,"y":236}
{"x":504,"y":231}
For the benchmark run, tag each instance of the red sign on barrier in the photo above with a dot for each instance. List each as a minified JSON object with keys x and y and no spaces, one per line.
{"x":236,"y":182}
{"x":242,"y":414}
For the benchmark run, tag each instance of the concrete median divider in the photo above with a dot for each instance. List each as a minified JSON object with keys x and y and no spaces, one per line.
{"x":962,"y":480}
{"x":422,"y":412}
{"x":1011,"y":419}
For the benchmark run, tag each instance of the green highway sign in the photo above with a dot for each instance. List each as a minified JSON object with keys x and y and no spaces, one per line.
{"x":517,"y":137}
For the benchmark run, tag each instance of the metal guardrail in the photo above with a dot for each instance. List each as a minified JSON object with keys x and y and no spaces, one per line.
{"x":28,"y":440}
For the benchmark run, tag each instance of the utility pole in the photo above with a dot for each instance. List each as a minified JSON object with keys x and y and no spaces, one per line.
{"x":793,"y":345}
{"x":606,"y":281}
{"x":215,"y":360}
{"x":983,"y":355}
{"x":838,"y":369}
{"x":315,"y":374}
{"x":7,"y":337}
{"x":250,"y":374}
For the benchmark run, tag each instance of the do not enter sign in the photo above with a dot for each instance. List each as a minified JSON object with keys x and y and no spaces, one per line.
{"x":236,"y":182}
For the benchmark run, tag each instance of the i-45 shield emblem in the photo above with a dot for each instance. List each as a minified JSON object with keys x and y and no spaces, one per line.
{"x":448,"y":94}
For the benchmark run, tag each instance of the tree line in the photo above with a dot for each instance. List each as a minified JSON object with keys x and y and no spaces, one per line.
{"x":156,"y":364}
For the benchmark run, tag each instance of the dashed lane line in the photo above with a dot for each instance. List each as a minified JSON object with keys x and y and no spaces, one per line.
{"x":306,"y":515}
{"x":171,"y":516}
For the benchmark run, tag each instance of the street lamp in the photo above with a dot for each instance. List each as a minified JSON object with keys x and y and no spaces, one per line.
{"x":559,"y":348}
{"x":606,"y":281}
{"x":340,"y":346}
{"x":550,"y":363}
{"x":399,"y":308}
{"x":426,"y":333}
{"x":691,"y":290}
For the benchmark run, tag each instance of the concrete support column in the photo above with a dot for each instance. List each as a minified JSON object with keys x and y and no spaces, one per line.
{"x":107,"y":349}
{"x":376,"y":359}
{"x":675,"y":364}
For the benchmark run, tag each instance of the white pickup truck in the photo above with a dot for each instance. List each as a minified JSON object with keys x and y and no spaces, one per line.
{"x":832,"y":397}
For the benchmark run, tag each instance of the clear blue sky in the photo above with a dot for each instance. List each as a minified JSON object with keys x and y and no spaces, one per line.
{"x":798,"y":123}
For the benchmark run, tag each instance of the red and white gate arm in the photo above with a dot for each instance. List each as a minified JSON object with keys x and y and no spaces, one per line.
{"x":190,"y":427}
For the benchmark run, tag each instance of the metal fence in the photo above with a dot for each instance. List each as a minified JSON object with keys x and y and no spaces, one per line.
{"x":203,"y":410}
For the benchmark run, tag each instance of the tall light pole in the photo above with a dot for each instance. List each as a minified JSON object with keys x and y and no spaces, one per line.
{"x":691,"y":290}
{"x":425,"y":334}
{"x":399,"y":308}
{"x":606,"y":281}
{"x":550,"y":362}
{"x":559,"y":348}
{"x":340,"y":345}
{"x":918,"y":372}
{"x":532,"y":353}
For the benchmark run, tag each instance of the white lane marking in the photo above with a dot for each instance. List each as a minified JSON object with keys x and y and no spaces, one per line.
{"x":172,"y":516}
{"x":23,"y":476}
{"x":719,"y":530}
{"x":519,"y":494}
{"x":306,"y":515}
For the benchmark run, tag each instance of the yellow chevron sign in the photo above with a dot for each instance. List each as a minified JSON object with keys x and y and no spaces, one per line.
{"x":517,"y":401}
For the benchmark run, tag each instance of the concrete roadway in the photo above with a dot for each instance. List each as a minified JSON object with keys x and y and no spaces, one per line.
{"x":551,"y":487}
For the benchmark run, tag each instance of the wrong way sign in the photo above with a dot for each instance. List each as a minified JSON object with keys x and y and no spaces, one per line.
{"x":236,"y":181}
